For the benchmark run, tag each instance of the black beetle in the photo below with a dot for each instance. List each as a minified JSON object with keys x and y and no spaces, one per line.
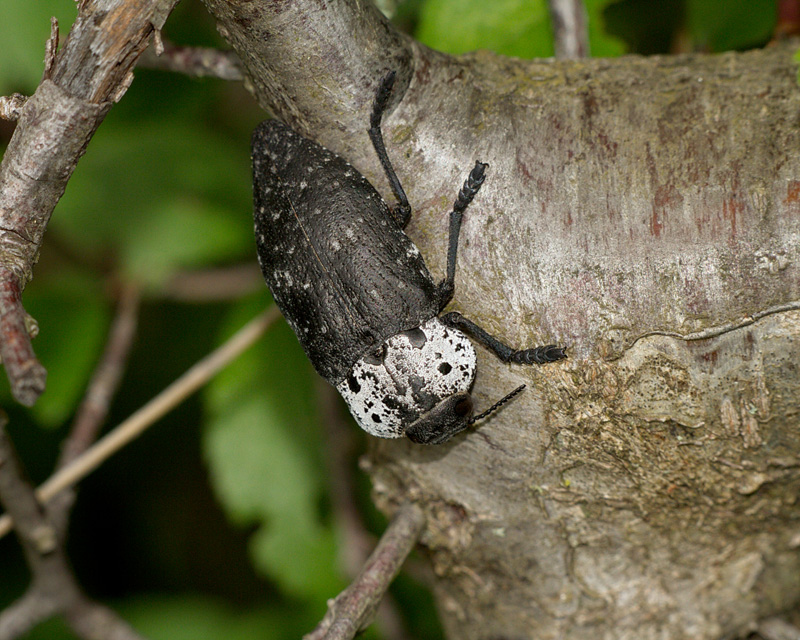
{"x":356,"y":291}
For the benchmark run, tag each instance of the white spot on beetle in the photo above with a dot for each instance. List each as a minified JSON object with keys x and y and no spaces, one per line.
{"x":420,"y":366}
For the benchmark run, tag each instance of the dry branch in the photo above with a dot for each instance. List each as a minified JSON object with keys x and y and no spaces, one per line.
{"x":80,"y":83}
{"x":354,"y":609}
{"x":570,"y":32}
{"x":197,"y":62}
{"x":94,"y":408}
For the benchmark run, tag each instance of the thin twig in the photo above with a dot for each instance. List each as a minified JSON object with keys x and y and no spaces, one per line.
{"x":213,"y":285}
{"x":137,"y":423}
{"x":354,"y":608}
{"x":777,"y":629}
{"x":96,"y":402}
{"x":570,"y":33}
{"x":196,"y":62}
{"x":105,"y":381}
{"x":357,"y":542}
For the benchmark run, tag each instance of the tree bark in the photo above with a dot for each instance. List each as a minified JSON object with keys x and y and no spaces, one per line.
{"x":646,"y":213}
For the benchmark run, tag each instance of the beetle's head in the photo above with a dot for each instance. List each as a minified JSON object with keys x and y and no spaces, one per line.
{"x":451,"y":416}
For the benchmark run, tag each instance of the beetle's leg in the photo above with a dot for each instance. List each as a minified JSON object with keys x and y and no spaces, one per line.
{"x":537,"y":355}
{"x":471,"y":186}
{"x":402,"y":211}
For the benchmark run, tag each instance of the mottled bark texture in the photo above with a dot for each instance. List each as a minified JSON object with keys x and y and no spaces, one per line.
{"x":643,"y":211}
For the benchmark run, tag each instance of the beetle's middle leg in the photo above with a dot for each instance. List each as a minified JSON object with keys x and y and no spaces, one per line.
{"x":471,"y":186}
{"x":536,"y":355}
{"x":402,"y":211}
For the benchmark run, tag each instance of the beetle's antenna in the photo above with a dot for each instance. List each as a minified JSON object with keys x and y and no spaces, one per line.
{"x":496,"y":405}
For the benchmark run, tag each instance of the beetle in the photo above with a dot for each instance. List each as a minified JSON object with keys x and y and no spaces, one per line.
{"x":356,"y":290}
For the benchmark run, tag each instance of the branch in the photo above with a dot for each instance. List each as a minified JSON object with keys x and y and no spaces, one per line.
{"x":356,"y":541}
{"x":96,"y":402}
{"x":321,"y":90}
{"x":197,"y":62}
{"x":136,"y":424}
{"x":26,"y":375}
{"x":569,"y":29}
{"x":354,"y":608}
{"x":92,"y":71}
{"x":777,"y":629}
{"x":11,"y":106}
{"x":213,"y":285}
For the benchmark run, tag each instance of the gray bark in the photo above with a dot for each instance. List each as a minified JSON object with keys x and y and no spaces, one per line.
{"x":643,"y":211}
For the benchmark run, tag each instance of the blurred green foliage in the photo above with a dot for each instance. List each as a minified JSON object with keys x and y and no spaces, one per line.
{"x":165,"y":186}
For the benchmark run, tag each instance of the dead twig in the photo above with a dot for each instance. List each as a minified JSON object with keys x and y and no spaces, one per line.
{"x":96,"y":402}
{"x":570,"y":33}
{"x":196,"y":62}
{"x":357,"y":542}
{"x":11,"y":106}
{"x":213,"y":285}
{"x":354,"y":608}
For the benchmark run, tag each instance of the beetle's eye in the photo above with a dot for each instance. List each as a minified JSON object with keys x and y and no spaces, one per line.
{"x":463,"y":407}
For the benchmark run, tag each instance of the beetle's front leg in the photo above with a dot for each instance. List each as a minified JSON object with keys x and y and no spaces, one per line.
{"x":471,"y":187}
{"x":536,"y":355}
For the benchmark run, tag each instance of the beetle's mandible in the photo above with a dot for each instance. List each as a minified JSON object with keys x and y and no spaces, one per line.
{"x":356,"y":291}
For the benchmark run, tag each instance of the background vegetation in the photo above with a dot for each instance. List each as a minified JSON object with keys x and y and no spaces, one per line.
{"x":218,"y":522}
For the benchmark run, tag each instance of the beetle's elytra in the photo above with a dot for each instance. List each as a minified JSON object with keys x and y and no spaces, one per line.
{"x":356,"y":291}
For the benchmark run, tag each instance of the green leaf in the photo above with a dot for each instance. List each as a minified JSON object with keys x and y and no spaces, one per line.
{"x":519,"y":28}
{"x":510,"y":27}
{"x":190,"y":617}
{"x":24,"y":30}
{"x":144,"y":194}
{"x":601,"y":43}
{"x":721,"y":25}
{"x":262,"y":444}
{"x":182,"y":233}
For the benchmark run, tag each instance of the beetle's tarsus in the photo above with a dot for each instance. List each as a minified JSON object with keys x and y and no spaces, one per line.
{"x":536,"y":355}
{"x":471,"y":187}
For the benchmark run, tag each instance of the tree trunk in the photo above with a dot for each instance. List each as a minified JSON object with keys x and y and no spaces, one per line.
{"x":646,"y":213}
